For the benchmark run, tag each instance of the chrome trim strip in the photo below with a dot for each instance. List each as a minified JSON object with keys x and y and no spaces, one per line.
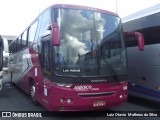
{"x":101,"y":93}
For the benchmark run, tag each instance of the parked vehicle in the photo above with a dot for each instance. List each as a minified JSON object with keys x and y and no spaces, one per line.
{"x":72,"y":58}
{"x":3,"y":55}
{"x":144,"y":66}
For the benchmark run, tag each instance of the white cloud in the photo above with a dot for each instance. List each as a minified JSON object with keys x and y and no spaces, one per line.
{"x":77,"y":31}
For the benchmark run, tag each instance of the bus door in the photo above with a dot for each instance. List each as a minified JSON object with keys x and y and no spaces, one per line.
{"x":45,"y":61}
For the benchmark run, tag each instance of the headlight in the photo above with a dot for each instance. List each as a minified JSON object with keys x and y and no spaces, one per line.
{"x":63,"y":85}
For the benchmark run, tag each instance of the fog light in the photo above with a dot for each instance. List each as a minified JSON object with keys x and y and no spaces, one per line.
{"x":69,"y":100}
{"x":121,"y":96}
{"x":62,"y":100}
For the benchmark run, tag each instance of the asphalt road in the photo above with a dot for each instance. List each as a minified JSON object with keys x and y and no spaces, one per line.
{"x":13,"y":99}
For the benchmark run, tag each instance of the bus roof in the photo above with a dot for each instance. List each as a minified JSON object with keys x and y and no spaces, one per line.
{"x":146,"y":12}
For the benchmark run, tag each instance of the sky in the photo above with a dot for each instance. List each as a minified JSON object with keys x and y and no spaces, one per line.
{"x":16,"y":15}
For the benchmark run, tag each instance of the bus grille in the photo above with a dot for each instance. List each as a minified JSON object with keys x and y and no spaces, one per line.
{"x":96,"y":94}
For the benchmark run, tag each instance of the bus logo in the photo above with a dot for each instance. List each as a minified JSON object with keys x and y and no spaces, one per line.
{"x":83,"y":87}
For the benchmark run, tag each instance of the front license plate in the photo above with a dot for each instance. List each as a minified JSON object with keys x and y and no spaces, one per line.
{"x":99,"y":103}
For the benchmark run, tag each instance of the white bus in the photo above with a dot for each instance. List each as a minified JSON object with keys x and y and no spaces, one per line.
{"x":1,"y":61}
{"x":3,"y":57}
{"x":5,"y":54}
{"x":144,"y":66}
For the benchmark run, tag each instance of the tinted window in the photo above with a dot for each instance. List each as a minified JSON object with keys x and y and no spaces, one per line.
{"x":131,"y":41}
{"x":14,"y":46}
{"x":11,"y":48}
{"x":46,"y":54}
{"x":46,"y":58}
{"x":32,"y":32}
{"x":46,"y":19}
{"x":38,"y":29}
{"x":19,"y":43}
{"x":151,"y":35}
{"x":24,"y":39}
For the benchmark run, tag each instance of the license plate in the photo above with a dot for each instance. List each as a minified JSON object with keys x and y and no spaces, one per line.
{"x":99,"y":103}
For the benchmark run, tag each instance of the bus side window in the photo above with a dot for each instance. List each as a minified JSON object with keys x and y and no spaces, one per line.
{"x":24,"y":39}
{"x":46,"y":20}
{"x":32,"y":33}
{"x":45,"y":58}
{"x":14,"y":46}
{"x":131,"y":41}
{"x":10,"y":48}
{"x":19,"y":43}
{"x":46,"y":55}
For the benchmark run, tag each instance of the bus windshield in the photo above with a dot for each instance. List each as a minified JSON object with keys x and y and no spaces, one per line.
{"x":92,"y":44}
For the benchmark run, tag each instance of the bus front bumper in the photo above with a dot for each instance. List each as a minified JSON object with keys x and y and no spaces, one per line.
{"x":77,"y":103}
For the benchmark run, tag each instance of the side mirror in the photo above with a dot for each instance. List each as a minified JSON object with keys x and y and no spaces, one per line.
{"x":55,"y":34}
{"x":139,"y":38}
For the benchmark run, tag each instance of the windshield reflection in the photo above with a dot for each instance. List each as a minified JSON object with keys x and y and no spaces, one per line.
{"x":88,"y":40}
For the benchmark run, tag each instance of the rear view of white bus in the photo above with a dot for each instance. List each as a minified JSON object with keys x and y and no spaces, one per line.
{"x":1,"y":61}
{"x":3,"y":57}
{"x":144,"y":66}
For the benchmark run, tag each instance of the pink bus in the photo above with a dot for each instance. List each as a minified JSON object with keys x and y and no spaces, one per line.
{"x":72,"y":58}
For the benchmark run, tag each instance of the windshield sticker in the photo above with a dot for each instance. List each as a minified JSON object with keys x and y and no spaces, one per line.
{"x":71,"y":70}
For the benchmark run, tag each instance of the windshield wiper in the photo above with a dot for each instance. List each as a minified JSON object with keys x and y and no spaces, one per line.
{"x":109,"y":68}
{"x":86,"y":61}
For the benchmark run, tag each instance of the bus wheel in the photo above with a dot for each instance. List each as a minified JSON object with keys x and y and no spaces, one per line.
{"x":32,"y":93}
